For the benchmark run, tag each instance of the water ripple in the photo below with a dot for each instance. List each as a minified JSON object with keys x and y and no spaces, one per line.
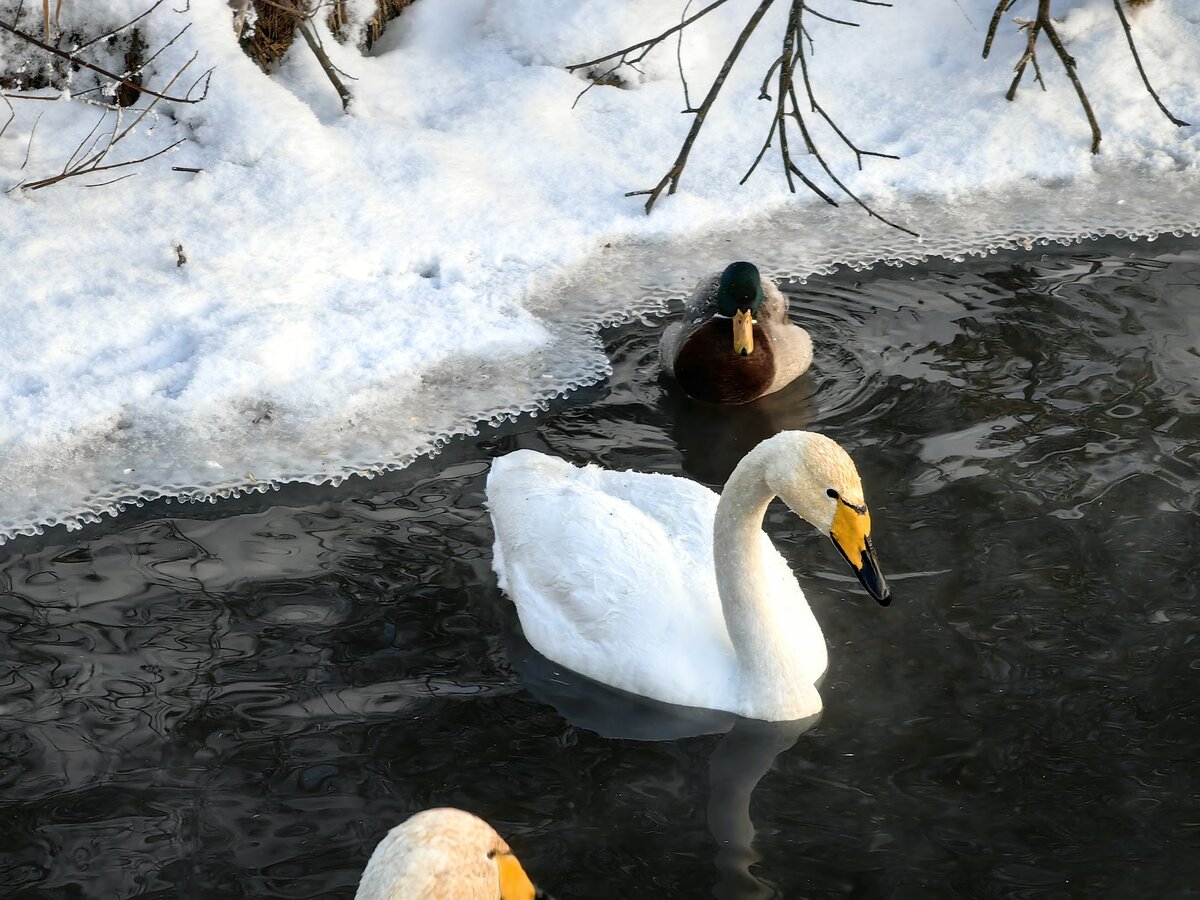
{"x":239,"y":699}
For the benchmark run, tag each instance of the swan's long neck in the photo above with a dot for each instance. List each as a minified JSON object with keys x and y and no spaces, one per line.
{"x":765,"y":651}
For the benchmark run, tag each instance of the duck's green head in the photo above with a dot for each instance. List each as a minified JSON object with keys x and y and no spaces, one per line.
{"x":739,"y":296}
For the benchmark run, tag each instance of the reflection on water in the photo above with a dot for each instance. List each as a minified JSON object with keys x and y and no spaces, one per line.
{"x":738,"y":763}
{"x":238,"y":700}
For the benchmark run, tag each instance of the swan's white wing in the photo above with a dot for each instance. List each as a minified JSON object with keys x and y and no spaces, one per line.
{"x":612,"y":575}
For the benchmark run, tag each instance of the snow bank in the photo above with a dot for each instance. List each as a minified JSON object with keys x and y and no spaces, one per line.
{"x":359,"y":288}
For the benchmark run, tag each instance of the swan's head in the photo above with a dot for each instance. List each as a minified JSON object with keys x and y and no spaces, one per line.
{"x":739,"y":296}
{"x":816,"y":478}
{"x":444,"y":850}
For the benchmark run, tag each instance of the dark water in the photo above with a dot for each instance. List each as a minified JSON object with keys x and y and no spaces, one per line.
{"x":238,"y":700}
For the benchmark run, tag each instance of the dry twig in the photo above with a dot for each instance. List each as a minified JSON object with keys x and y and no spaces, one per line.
{"x":788,"y":108}
{"x":72,"y":58}
{"x":1044,"y":24}
{"x":1137,"y":59}
{"x":327,"y":66}
{"x":275,"y":26}
{"x":91,"y":154}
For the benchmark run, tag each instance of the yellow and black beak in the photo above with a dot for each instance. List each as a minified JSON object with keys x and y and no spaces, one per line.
{"x":514,"y":883}
{"x":743,"y":332}
{"x":851,"y":534}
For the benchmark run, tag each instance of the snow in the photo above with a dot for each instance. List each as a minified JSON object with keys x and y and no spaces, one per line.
{"x":360,"y":287}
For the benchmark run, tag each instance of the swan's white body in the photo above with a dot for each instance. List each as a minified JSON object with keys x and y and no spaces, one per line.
{"x":443,"y":854}
{"x":614,"y":575}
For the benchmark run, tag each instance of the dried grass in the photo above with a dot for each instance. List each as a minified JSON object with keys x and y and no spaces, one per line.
{"x":385,"y":11}
{"x":270,"y":30}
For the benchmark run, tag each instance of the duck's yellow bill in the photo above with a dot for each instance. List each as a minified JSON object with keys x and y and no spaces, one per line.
{"x":743,"y":332}
{"x":851,"y":534}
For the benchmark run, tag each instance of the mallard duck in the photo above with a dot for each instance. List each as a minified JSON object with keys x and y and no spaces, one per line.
{"x":655,"y":585}
{"x":735,"y":342}
{"x":444,"y":854}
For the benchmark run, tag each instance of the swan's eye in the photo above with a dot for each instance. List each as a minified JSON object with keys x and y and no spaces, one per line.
{"x":832,"y":493}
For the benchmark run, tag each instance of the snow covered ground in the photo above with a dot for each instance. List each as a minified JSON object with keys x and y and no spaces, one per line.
{"x":359,"y":287}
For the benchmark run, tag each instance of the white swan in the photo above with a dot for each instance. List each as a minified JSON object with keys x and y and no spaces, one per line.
{"x":653,"y":584}
{"x":444,"y":854}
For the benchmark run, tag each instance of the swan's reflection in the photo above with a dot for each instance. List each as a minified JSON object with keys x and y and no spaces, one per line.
{"x":744,"y":755}
{"x":713,"y":439}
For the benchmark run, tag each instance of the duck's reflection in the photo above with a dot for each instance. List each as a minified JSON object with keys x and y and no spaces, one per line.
{"x":744,"y":755}
{"x":713,"y":439}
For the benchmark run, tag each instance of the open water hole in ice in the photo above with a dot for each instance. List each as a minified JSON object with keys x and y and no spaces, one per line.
{"x":238,"y":700}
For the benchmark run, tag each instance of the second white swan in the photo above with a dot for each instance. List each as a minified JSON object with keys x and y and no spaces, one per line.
{"x":655,"y":585}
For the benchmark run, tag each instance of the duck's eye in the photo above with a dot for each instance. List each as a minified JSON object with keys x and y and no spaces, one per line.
{"x":832,"y":493}
{"x":491,"y":854}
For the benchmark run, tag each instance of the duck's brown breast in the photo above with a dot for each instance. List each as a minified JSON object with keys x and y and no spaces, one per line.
{"x":708,"y":368}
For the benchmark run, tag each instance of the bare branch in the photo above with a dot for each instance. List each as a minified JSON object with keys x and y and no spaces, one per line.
{"x":1002,"y":7}
{"x":118,"y":29}
{"x":12,"y":114}
{"x":89,"y":155}
{"x":155,"y":54}
{"x":762,"y":91}
{"x":1044,"y":24}
{"x":29,"y":146}
{"x":70,"y":57}
{"x":46,"y":182}
{"x":830,"y":18}
{"x":1068,"y":62}
{"x":79,"y":151}
{"x":1137,"y":59}
{"x":817,"y":108}
{"x":153,"y":102}
{"x":676,"y":170}
{"x":111,"y":180}
{"x":687,"y":101}
{"x":766,"y":145}
{"x":330,"y":70}
{"x":845,"y":190}
{"x":1033,"y":29}
{"x":787,"y":107}
{"x":649,"y":43}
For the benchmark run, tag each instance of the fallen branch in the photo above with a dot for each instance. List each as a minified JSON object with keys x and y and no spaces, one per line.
{"x":274,"y":35}
{"x":46,"y":182}
{"x":327,"y":66}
